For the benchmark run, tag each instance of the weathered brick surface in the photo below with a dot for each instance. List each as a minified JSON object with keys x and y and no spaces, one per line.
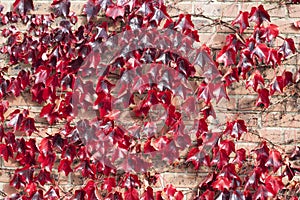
{"x":280,"y":123}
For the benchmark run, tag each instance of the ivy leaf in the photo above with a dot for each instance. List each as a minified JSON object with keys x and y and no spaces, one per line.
{"x":198,"y":157}
{"x":258,"y":15}
{"x":254,"y":80}
{"x":91,"y":9}
{"x":3,"y":108}
{"x":236,"y":128}
{"x":274,"y":160}
{"x":16,"y":119}
{"x":227,"y":56}
{"x":44,"y":177}
{"x":222,"y":183}
{"x":23,"y":6}
{"x":28,"y":125}
{"x":263,"y":98}
{"x":52,"y":193}
{"x":131,"y":194}
{"x":240,"y":157}
{"x":277,"y":85}
{"x":184,"y":23}
{"x":274,"y":184}
{"x":288,"y":47}
{"x":108,"y":184}
{"x":172,"y":193}
{"x":242,"y":20}
{"x":47,"y":161}
{"x":262,"y":153}
{"x":148,"y":194}
{"x":271,"y":33}
{"x":6,"y":151}
{"x":115,"y":11}
{"x":61,"y":7}
{"x":261,"y":51}
{"x":262,"y":193}
{"x":64,"y":165}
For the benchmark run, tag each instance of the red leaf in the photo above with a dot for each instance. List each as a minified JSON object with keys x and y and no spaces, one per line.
{"x":273,"y":58}
{"x":271,"y":33}
{"x":65,"y":165}
{"x":3,"y":108}
{"x":6,"y":151}
{"x":91,"y":9}
{"x":288,"y":47}
{"x":261,"y":51}
{"x":198,"y":157}
{"x":23,"y":6}
{"x":262,"y":153}
{"x":47,"y":161}
{"x":16,"y":119}
{"x":236,"y":128}
{"x":254,"y":80}
{"x":222,"y":184}
{"x":277,"y":85}
{"x":274,"y":184}
{"x":115,"y":11}
{"x":108,"y":184}
{"x":148,"y":194}
{"x":61,"y":7}
{"x":52,"y":193}
{"x":258,"y":15}
{"x":44,"y":177}
{"x":28,"y":126}
{"x":240,"y":157}
{"x":226,"y":56}
{"x":242,"y":20}
{"x":131,"y":194}
{"x":274,"y":160}
{"x":262,"y":193}
{"x":172,"y":193}
{"x":263,"y":98}
{"x":184,"y":23}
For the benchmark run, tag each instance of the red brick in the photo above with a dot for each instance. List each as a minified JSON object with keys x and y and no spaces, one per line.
{"x":291,"y":136}
{"x":212,"y":40}
{"x":203,"y":25}
{"x":285,"y":25}
{"x":249,"y":137}
{"x":277,"y":119}
{"x":293,"y":104}
{"x":8,"y":190}
{"x":247,"y":102}
{"x":224,"y":105}
{"x":10,"y":164}
{"x":181,"y":180}
{"x":5,"y":175}
{"x":240,"y":88}
{"x":274,"y":135}
{"x":277,"y":103}
{"x":294,"y":10}
{"x":248,"y":146}
{"x":181,"y":7}
{"x":216,"y":10}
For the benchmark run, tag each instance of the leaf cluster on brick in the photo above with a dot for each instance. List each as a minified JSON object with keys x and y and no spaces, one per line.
{"x":49,"y":57}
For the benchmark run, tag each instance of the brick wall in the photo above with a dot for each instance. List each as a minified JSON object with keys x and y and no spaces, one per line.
{"x":280,"y":123}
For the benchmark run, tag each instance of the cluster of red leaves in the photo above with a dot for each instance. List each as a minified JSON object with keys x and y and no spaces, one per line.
{"x":255,"y":52}
{"x":54,"y":56}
